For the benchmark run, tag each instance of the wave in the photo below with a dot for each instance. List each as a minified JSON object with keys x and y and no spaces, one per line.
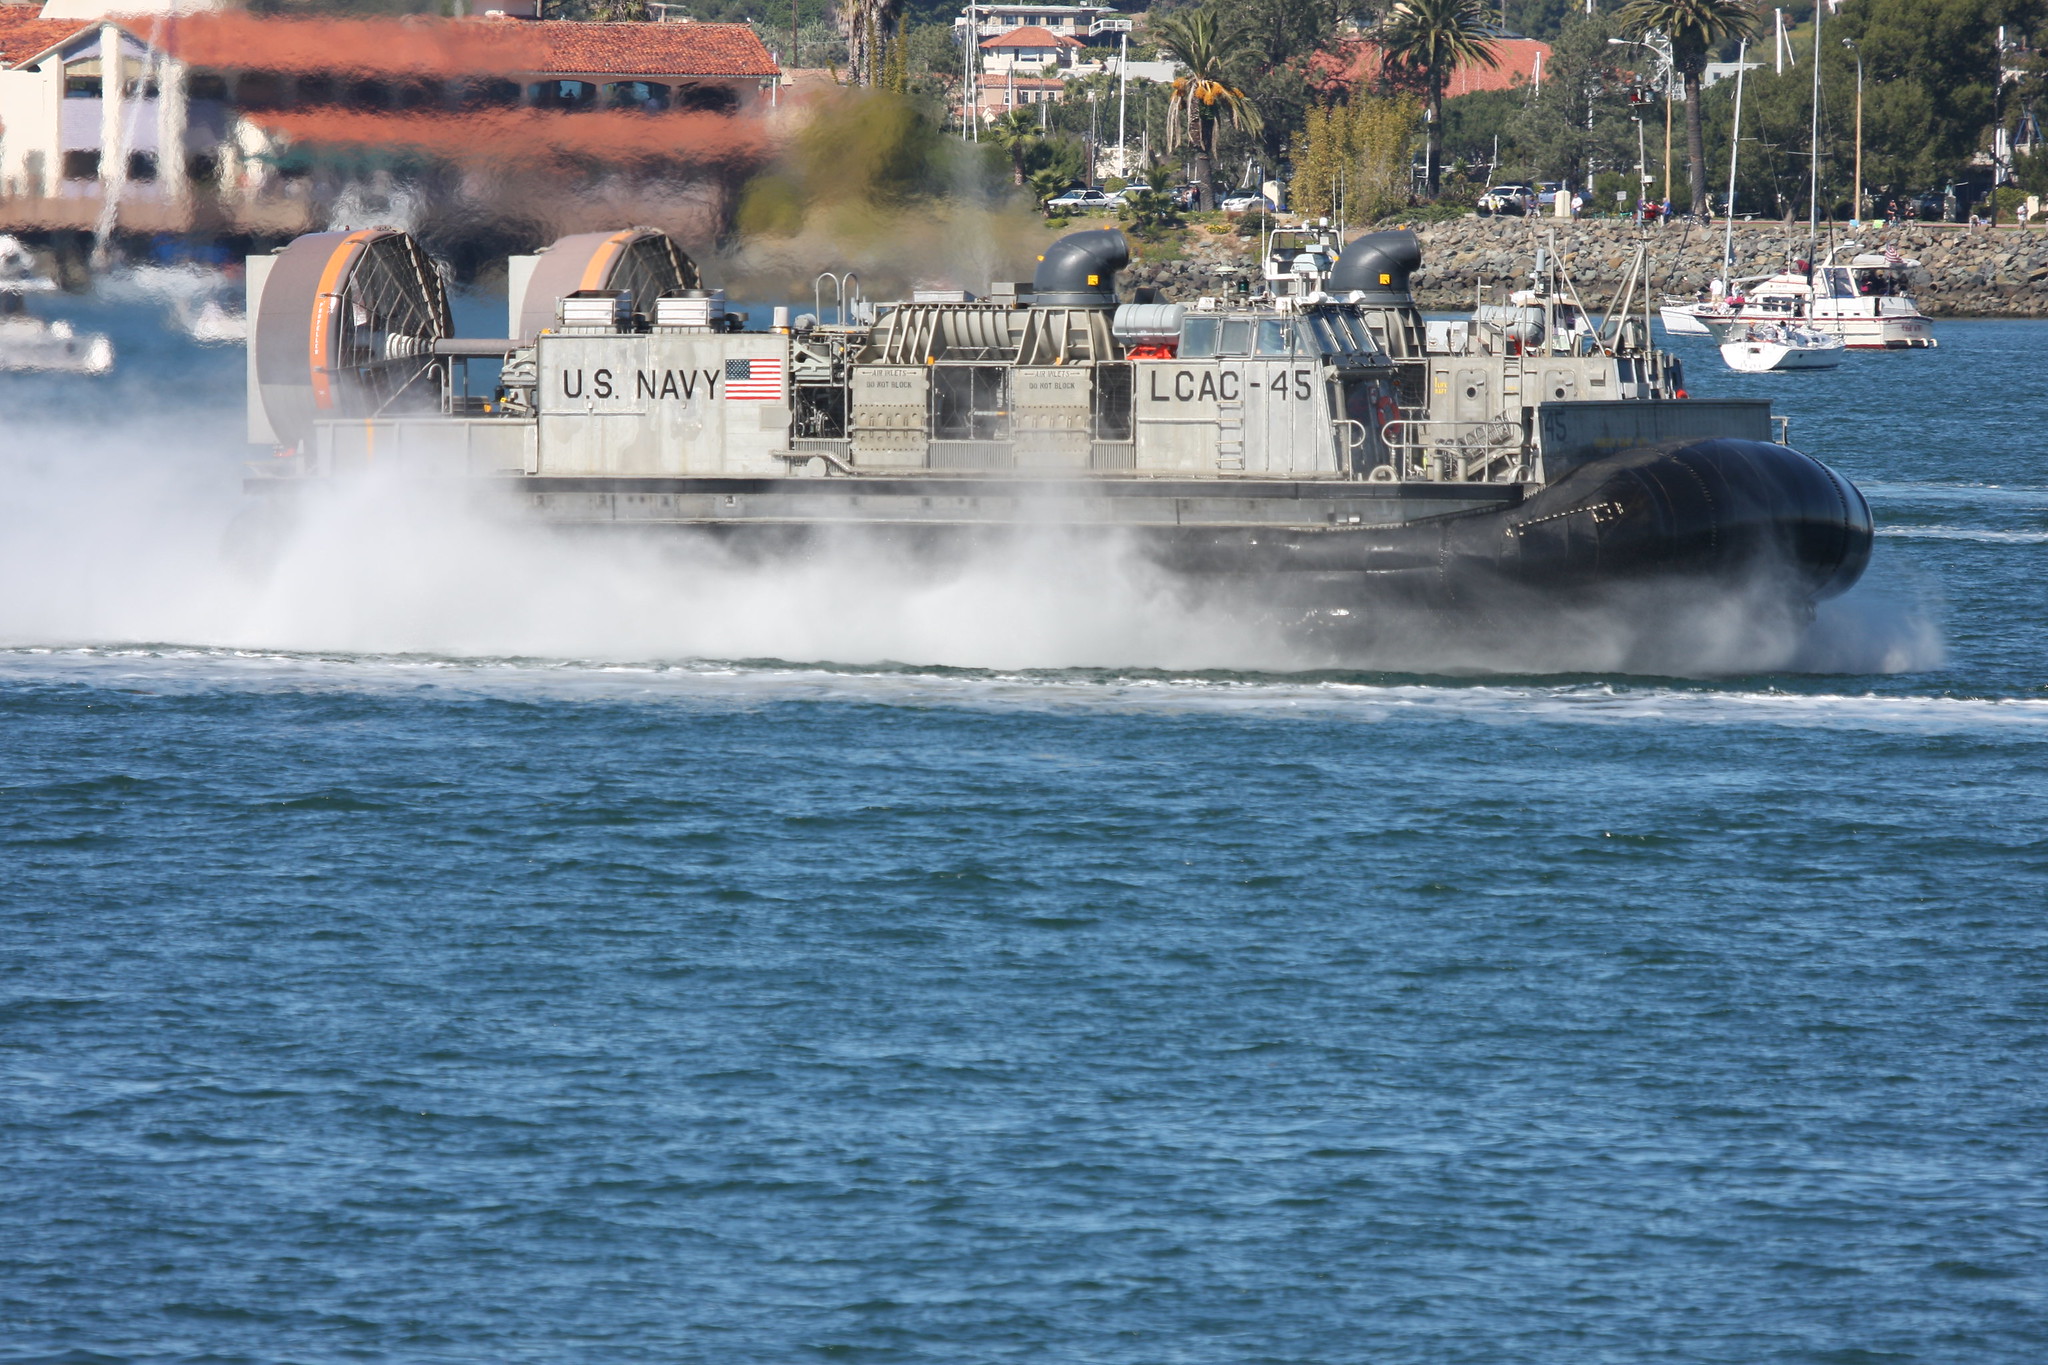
{"x":1983,"y":534}
{"x":2003,"y":494}
{"x":160,"y":670}
{"x":101,"y":542}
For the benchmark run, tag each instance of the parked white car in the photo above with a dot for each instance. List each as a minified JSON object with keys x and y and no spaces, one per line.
{"x":1084,"y":199}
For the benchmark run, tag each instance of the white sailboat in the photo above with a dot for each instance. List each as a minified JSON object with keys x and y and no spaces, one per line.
{"x":1762,"y":347}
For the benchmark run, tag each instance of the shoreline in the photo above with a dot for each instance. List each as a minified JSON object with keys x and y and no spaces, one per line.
{"x":1963,"y":272}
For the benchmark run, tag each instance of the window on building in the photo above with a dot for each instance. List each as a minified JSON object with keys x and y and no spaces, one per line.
{"x":142,"y":167}
{"x":81,"y":165}
{"x":206,"y":85}
{"x":648,"y":97}
{"x":490,"y":92}
{"x":259,"y":90}
{"x":566,"y":95}
{"x":202,"y":168}
{"x":705,"y":99}
{"x":82,"y":79}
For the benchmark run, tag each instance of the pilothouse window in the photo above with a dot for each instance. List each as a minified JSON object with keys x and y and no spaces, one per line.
{"x":1237,"y":337}
{"x":1273,"y":336}
{"x":1197,"y":338}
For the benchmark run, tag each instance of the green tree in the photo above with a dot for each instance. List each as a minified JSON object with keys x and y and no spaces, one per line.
{"x":870,"y":24}
{"x":1353,"y":158}
{"x":1694,"y":28}
{"x":1148,"y":206}
{"x":1015,"y":133}
{"x":1931,"y":92}
{"x":1431,"y":39}
{"x":1053,"y":166}
{"x":1275,"y":45}
{"x":1202,"y":94}
{"x":1576,"y":124}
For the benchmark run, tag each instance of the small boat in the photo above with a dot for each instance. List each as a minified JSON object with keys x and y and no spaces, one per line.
{"x":211,"y":322}
{"x":28,"y":342}
{"x":199,"y":301}
{"x":1767,"y":346}
{"x":19,"y":273}
{"x":1682,"y":319}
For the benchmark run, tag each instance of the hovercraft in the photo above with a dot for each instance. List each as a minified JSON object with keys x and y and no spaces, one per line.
{"x":1318,"y":426}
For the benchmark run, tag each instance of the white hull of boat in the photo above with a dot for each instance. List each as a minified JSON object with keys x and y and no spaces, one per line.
{"x":1762,"y":357}
{"x":28,"y":343}
{"x":1682,"y":320}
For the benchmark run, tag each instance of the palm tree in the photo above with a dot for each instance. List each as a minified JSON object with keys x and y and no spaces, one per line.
{"x":1694,"y":28}
{"x":1201,"y":95}
{"x":1431,"y":39}
{"x":869,"y":26}
{"x":1014,"y":133}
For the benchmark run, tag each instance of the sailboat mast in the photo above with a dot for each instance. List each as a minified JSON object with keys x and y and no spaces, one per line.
{"x":1813,"y":155}
{"x":1734,"y":152}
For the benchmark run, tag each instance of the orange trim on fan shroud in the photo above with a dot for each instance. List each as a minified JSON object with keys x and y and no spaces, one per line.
{"x":598,"y":268}
{"x":326,"y":297}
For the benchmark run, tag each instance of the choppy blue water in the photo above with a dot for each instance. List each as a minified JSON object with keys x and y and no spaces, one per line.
{"x":626,"y":1001}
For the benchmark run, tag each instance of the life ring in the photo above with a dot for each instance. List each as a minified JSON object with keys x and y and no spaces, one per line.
{"x":1386,"y":411}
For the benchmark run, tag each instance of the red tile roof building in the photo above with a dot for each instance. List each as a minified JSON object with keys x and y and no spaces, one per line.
{"x":1522,"y":61}
{"x":229,"y":107}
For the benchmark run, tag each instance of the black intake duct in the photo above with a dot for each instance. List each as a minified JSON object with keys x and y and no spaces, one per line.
{"x":1079,"y":270}
{"x":1377,"y":266}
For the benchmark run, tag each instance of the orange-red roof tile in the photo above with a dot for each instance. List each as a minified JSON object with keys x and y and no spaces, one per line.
{"x":424,"y":46}
{"x":23,"y":36}
{"x":1521,"y":63}
{"x":1030,"y":35}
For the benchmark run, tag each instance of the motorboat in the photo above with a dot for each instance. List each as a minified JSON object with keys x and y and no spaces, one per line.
{"x":1862,"y":297}
{"x":28,"y":342}
{"x":1765,"y":346}
{"x":19,"y":272}
{"x":1682,"y":318}
{"x":200,"y":301}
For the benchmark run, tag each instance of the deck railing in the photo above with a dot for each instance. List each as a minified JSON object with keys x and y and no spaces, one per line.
{"x":1494,"y":451}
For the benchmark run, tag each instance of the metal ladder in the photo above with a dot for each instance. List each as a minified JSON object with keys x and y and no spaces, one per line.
{"x":1230,"y":437}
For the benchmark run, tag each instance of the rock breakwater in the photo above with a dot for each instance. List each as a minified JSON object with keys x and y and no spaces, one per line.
{"x":1984,"y":272}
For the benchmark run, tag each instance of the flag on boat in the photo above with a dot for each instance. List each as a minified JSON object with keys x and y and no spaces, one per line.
{"x":759,"y":379}
{"x":1892,"y":256}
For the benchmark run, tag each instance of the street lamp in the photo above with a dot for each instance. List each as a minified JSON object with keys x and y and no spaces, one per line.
{"x":1660,"y":45}
{"x":1850,"y":43}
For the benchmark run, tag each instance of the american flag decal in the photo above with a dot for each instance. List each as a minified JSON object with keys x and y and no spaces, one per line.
{"x":759,"y":379}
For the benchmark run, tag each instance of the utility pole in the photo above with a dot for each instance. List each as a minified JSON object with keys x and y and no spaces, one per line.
{"x":1667,"y":134}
